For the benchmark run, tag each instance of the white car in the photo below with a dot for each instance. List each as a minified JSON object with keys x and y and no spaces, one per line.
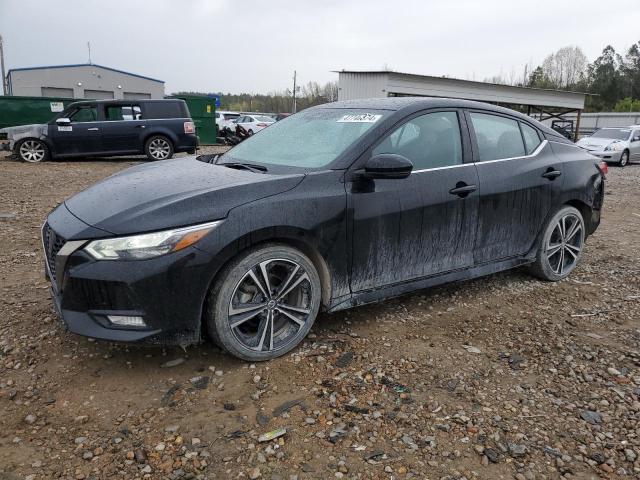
{"x":614,"y":145}
{"x":225,"y":119}
{"x":254,"y":123}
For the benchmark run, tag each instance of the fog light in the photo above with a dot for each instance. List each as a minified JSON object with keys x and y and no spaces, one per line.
{"x":126,"y":320}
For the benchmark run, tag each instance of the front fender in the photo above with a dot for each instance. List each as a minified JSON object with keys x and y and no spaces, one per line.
{"x":15,"y":134}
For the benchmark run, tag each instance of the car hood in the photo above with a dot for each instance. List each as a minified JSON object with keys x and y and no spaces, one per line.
{"x":172,"y":193}
{"x":597,"y":143}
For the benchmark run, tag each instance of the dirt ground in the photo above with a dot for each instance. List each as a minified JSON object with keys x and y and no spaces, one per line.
{"x":498,"y":378}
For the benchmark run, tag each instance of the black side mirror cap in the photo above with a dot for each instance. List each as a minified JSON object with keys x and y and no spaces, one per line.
{"x":388,"y":165}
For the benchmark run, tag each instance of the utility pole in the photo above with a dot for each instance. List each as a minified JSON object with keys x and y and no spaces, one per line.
{"x":294,"y":91}
{"x":4,"y":78}
{"x":89,"y":48}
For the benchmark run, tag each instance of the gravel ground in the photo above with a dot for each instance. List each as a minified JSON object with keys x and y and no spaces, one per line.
{"x":501,"y":377}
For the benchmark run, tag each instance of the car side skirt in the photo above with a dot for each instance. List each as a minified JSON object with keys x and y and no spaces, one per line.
{"x":390,"y":291}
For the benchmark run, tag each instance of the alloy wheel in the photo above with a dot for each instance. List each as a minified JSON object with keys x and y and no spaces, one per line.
{"x":624,"y":159}
{"x":32,"y":151}
{"x":159,"y":149}
{"x":565,"y":244}
{"x":270,"y":305}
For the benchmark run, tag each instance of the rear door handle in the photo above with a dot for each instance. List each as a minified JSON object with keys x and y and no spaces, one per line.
{"x":141,"y":126}
{"x":462,"y":189}
{"x":551,"y":174}
{"x":94,"y":129}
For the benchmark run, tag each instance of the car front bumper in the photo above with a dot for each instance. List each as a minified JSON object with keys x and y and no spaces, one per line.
{"x":608,"y":155}
{"x":167,"y":292}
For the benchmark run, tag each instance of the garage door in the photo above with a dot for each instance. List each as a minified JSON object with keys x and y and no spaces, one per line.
{"x":57,"y":92}
{"x":98,"y":94}
{"x":134,"y":95}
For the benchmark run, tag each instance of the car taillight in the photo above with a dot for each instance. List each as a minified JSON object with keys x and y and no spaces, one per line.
{"x":263,"y":125}
{"x":189,"y":127}
{"x":603,"y":167}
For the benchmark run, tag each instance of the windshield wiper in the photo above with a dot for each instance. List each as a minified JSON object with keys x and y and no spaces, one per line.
{"x":247,"y":166}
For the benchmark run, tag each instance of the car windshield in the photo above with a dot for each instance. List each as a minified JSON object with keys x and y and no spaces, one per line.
{"x":309,"y":139}
{"x":613,"y":133}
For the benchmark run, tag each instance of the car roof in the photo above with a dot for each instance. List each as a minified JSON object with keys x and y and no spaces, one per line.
{"x":126,"y":102}
{"x":413,"y":104}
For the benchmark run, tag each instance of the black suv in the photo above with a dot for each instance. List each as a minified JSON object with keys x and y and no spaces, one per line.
{"x":158,"y":128}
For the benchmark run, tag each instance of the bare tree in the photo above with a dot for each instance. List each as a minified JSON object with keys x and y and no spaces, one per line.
{"x":566,"y":67}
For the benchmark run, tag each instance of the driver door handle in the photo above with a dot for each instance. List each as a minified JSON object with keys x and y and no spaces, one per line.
{"x":462,"y":189}
{"x":551,"y":174}
{"x":94,"y":129}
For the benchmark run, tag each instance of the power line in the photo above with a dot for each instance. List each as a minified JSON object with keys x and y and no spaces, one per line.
{"x":2,"y":72}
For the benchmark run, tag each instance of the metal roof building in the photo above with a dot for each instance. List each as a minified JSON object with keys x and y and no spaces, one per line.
{"x":84,"y":80}
{"x":548,"y":104}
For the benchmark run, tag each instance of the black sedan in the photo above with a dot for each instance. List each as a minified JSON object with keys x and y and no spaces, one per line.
{"x":336,"y":206}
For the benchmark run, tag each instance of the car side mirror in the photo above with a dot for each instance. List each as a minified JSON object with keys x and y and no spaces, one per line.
{"x":388,"y":165}
{"x":636,"y":139}
{"x":63,"y":122}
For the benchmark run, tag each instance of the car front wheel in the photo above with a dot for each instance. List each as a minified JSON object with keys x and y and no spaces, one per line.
{"x":560,"y":246}
{"x":624,"y":159}
{"x":159,"y":148}
{"x":264,"y":303}
{"x":32,"y":150}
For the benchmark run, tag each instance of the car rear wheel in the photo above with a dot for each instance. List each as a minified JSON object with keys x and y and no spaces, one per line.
{"x":561,"y":245}
{"x":624,"y":159}
{"x":264,"y":303}
{"x":159,"y":148}
{"x":33,"y":150}
{"x":250,"y":132}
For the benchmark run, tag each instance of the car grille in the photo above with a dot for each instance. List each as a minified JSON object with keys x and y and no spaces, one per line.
{"x":52,"y":243}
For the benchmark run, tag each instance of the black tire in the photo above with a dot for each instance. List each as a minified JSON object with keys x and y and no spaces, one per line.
{"x":158,"y":147}
{"x":275,"y":333}
{"x":250,"y":132}
{"x":624,"y":159}
{"x":554,"y":267}
{"x":32,"y":150}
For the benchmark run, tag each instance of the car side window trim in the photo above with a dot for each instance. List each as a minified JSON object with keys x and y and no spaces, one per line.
{"x":535,"y":153}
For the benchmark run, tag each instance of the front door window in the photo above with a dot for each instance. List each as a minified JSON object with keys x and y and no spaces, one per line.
{"x":429,"y":141}
{"x":84,"y":114}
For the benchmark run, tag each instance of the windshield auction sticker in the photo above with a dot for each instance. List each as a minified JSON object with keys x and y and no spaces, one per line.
{"x":359,"y":118}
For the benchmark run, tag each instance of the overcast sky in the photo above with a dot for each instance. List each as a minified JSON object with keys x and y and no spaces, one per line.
{"x":254,"y":45}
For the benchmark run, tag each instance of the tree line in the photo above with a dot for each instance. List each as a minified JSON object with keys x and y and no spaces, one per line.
{"x":612,"y":78}
{"x":307,"y":95}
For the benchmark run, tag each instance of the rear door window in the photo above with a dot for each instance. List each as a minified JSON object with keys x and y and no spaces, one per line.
{"x":84,"y":114}
{"x":497,"y":137}
{"x":123,"y":112}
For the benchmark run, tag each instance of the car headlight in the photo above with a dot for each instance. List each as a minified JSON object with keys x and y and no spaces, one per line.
{"x":148,"y":245}
{"x":615,"y":147}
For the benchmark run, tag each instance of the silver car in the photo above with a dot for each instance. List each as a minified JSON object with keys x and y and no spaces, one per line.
{"x":614,"y":145}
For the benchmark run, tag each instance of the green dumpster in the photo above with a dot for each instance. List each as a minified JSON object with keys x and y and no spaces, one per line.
{"x":16,"y":111}
{"x":203,"y":112}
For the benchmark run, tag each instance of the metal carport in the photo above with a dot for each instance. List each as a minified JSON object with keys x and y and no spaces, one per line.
{"x":545,"y":104}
